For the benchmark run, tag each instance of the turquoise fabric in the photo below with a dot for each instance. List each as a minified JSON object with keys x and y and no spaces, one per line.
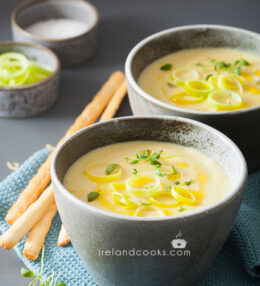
{"x":237,"y":264}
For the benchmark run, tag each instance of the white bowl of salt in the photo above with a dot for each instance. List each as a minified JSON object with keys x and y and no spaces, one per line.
{"x":68,"y":27}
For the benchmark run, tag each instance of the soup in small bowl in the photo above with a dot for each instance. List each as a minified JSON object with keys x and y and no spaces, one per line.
{"x":205,"y":72}
{"x":132,"y":188}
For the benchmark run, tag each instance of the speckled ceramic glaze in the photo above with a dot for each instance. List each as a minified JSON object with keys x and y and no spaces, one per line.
{"x":30,"y":100}
{"x":71,"y":51}
{"x":240,"y":125}
{"x":94,"y":230}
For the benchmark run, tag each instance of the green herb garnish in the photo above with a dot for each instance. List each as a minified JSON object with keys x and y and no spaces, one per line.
{"x":135,"y":172}
{"x":237,"y":70}
{"x":221,"y":65}
{"x":187,"y":183}
{"x":50,"y":281}
{"x":158,"y":171}
{"x":166,"y":67}
{"x":144,"y":155}
{"x":92,"y":196}
{"x":181,"y":209}
{"x":176,"y":182}
{"x":199,"y":64}
{"x":145,"y":204}
{"x":171,"y":84}
{"x":208,"y":76}
{"x":238,"y":64}
{"x":154,"y":157}
{"x":241,"y":62}
{"x":174,"y":171}
{"x":134,"y":161}
{"x":111,"y":168}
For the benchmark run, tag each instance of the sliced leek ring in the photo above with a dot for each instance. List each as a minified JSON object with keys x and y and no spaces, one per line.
{"x":198,"y":88}
{"x":214,"y":80}
{"x":16,"y":81}
{"x":225,"y":99}
{"x":143,"y":185}
{"x":155,"y":200}
{"x":120,"y":199}
{"x":185,"y":98}
{"x":184,"y":196}
{"x":102,"y":179}
{"x":176,"y":75}
{"x":13,"y":65}
{"x":231,"y":82}
{"x":154,"y":209}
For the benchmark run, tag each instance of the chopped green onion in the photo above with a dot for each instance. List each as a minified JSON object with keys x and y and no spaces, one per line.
{"x":181,"y":209}
{"x":237,"y":70}
{"x":166,"y":67}
{"x":92,"y":196}
{"x":111,"y":167}
{"x":221,"y":65}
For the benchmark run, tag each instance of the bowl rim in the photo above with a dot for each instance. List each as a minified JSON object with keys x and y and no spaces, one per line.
{"x":132,"y":82}
{"x":232,"y":195}
{"x":41,"y":82}
{"x":26,"y":34}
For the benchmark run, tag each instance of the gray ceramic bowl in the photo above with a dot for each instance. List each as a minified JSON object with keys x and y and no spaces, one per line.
{"x":71,"y":51}
{"x":240,"y":125}
{"x":94,"y":230}
{"x":33,"y":99}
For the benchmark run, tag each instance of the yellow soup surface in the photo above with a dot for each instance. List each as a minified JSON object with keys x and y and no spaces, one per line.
{"x":205,"y":79}
{"x":147,"y":178}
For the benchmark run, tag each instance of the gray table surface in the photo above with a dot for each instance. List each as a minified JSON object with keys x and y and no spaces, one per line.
{"x":122,"y":24}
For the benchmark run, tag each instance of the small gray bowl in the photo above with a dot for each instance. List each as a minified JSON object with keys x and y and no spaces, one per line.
{"x":93,"y":230}
{"x":32,"y":99}
{"x":71,"y":51}
{"x":240,"y":125}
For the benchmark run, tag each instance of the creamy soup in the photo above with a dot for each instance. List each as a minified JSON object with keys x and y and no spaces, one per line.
{"x":147,"y":178}
{"x":207,"y":79}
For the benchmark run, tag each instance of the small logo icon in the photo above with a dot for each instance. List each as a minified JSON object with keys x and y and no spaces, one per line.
{"x":178,"y":242}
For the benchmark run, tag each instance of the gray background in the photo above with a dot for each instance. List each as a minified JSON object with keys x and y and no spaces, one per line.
{"x":123,"y":23}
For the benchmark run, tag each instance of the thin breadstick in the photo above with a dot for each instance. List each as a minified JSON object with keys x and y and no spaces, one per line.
{"x":42,"y":178}
{"x":109,"y":113}
{"x":26,"y":222}
{"x":115,"y":102}
{"x":31,"y":192}
{"x":36,"y":237}
{"x":63,"y":238}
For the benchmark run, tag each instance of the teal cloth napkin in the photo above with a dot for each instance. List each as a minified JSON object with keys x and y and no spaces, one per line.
{"x":238,"y":263}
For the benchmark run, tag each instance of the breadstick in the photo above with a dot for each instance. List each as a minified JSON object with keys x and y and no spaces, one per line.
{"x":36,"y":237}
{"x":107,"y":114}
{"x":26,"y":222}
{"x":87,"y":117}
{"x":115,"y":102}
{"x":35,"y":187}
{"x":63,"y":238}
